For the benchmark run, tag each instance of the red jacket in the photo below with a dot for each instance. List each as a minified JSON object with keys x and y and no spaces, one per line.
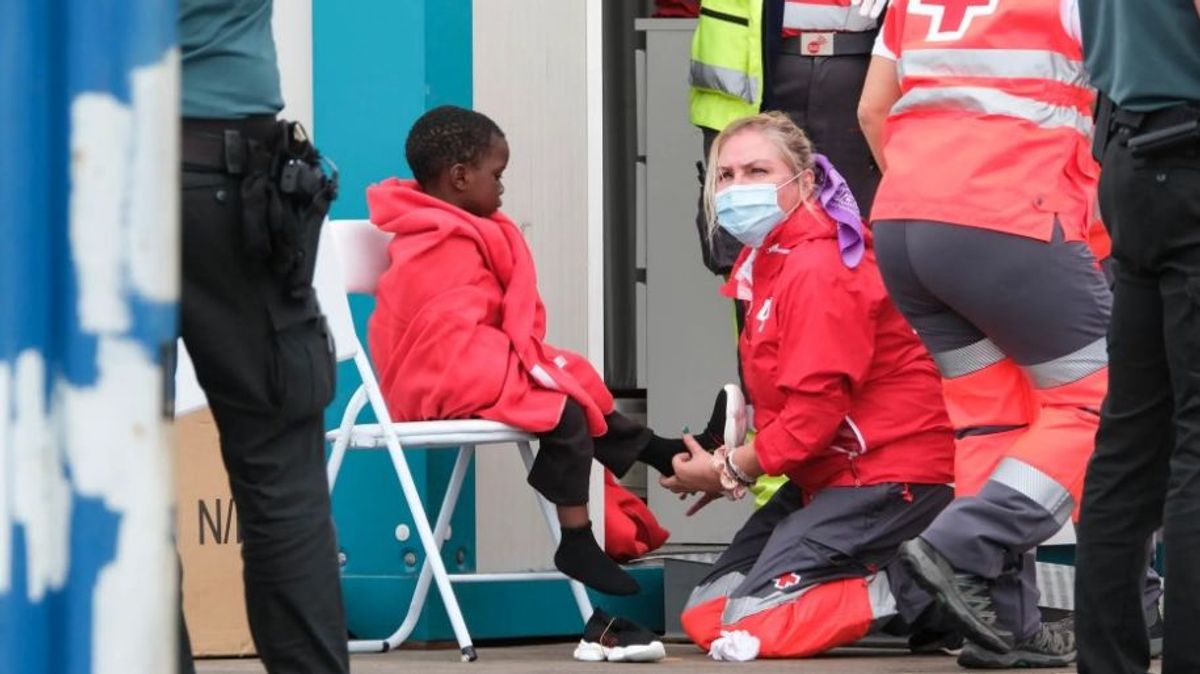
{"x":458,"y":329}
{"x":844,"y":393}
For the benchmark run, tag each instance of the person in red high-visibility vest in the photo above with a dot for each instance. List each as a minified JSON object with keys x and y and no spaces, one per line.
{"x":979,"y":113}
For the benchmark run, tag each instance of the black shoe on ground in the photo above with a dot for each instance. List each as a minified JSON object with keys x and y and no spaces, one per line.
{"x":1155,"y":627}
{"x":617,"y":639}
{"x":1053,"y":645}
{"x":967,"y":598}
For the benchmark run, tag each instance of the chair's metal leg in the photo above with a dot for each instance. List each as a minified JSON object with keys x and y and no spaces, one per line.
{"x":338,"y":453}
{"x":449,"y":501}
{"x":333,"y":467}
{"x":577,"y":589}
{"x":430,"y":544}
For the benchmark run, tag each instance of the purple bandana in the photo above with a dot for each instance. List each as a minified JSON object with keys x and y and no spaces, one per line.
{"x":837,"y":200}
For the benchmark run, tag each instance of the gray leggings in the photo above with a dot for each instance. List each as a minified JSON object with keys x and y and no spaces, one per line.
{"x":977,"y":297}
{"x":1035,"y":301}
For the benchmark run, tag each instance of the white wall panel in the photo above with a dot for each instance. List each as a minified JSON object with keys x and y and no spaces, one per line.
{"x":536,"y":71}
{"x":291,"y":24}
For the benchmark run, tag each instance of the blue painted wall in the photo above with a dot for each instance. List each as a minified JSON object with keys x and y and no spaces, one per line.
{"x":56,"y":55}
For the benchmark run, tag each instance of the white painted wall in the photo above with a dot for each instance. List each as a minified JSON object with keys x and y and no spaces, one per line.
{"x":536,"y":71}
{"x":292,"y":26}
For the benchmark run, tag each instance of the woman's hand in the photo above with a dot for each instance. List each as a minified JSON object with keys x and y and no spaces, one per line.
{"x":699,"y":503}
{"x":694,"y":471}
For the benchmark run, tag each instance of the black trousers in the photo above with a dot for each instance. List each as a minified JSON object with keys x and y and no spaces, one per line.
{"x":1146,"y":469}
{"x":564,"y":460}
{"x":268,"y":380}
{"x":820,"y":94}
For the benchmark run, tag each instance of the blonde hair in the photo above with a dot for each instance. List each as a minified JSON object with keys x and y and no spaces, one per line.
{"x":793,"y":145}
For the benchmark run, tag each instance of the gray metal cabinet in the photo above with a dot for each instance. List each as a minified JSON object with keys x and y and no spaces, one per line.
{"x":689,"y":329}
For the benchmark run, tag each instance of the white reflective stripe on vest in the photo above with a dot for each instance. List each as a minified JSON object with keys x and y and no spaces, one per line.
{"x":1035,"y":485}
{"x":805,"y":16}
{"x":995,"y":102}
{"x":1012,"y":63}
{"x":725,"y":80}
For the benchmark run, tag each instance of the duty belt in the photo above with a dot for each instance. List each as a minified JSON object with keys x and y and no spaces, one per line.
{"x":222,"y":145}
{"x":1156,"y":119}
{"x":829,"y":43}
{"x":1169,"y":130}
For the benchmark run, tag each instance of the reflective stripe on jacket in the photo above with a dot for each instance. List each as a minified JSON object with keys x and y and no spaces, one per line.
{"x":993,"y":126}
{"x":726,"y":70}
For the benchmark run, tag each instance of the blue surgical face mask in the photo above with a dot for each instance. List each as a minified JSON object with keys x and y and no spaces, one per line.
{"x":750,"y":212}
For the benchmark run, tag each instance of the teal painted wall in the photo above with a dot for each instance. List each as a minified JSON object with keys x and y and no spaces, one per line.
{"x":377,"y":66}
{"x":369,"y":86}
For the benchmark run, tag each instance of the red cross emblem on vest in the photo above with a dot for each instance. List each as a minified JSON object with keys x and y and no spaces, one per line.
{"x":950,"y":19}
{"x":787,"y":580}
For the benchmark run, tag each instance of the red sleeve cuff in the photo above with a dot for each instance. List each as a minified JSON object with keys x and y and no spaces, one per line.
{"x":771,"y":447}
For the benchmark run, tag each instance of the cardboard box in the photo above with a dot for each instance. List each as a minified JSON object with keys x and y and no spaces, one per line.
{"x":209,"y":543}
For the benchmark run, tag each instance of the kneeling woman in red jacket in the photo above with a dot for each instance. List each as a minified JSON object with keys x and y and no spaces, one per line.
{"x":848,"y":405}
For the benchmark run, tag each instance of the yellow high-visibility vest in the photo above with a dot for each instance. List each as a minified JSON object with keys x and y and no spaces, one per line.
{"x":726,"y":74}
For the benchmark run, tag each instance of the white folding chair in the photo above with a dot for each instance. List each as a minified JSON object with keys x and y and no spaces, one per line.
{"x":361,"y":257}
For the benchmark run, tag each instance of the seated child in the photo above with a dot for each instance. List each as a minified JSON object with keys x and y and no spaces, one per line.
{"x":459,"y":331}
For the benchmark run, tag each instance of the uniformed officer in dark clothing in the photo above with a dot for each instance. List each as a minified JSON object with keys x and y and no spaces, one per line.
{"x":253,"y":198}
{"x":1144,"y":57}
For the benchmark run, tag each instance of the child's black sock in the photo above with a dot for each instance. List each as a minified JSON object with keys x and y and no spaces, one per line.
{"x":659,"y":452}
{"x":580,"y":557}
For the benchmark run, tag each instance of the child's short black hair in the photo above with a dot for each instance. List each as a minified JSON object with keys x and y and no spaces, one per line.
{"x":445,"y":136}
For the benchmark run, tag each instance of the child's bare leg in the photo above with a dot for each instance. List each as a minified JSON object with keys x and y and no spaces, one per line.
{"x":573,"y":517}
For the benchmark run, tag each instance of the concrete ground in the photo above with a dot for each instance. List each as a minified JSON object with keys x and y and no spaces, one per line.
{"x":556,"y":658}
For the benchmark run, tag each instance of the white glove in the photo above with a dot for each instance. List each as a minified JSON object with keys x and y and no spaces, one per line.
{"x":871,"y":8}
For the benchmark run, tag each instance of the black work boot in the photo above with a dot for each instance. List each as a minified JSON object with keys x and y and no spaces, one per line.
{"x":1052,"y":645}
{"x":966,"y":597}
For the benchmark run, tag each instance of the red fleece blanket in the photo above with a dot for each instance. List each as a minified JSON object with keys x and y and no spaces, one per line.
{"x":459,"y":327}
{"x":630,"y":529}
